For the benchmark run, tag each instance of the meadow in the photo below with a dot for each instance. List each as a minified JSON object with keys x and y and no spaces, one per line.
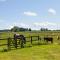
{"x":32,"y":52}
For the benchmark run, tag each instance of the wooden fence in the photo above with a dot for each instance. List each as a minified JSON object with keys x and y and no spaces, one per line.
{"x":11,"y":41}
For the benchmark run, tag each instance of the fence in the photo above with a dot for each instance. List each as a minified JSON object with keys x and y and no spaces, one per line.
{"x":12,"y":42}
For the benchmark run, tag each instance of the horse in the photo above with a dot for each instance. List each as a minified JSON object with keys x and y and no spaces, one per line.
{"x":48,"y":39}
{"x":21,"y":37}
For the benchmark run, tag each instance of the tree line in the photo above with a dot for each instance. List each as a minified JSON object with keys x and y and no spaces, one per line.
{"x":17,"y":29}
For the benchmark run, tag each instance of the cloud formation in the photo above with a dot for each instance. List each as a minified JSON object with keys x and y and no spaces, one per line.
{"x":45,"y":24}
{"x":34,"y":26}
{"x":19,"y":25}
{"x":51,"y":11}
{"x":49,"y":25}
{"x":28,"y":13}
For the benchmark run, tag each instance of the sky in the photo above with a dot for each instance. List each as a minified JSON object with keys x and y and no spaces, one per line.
{"x":34,"y":14}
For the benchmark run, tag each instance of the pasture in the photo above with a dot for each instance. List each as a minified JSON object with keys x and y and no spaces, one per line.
{"x":40,"y":52}
{"x":32,"y":52}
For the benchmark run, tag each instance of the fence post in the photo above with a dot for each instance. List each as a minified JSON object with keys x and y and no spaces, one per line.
{"x":22,"y":44}
{"x":38,"y":39}
{"x":31,"y":39}
{"x":15,"y":43}
{"x":8,"y":43}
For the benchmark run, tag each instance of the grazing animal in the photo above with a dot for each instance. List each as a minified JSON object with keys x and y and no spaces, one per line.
{"x":48,"y":39}
{"x":21,"y":39}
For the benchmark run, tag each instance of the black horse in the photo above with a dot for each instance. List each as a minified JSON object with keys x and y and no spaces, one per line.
{"x":48,"y":39}
{"x":21,"y":38}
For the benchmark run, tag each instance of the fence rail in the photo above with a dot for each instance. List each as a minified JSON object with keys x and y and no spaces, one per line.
{"x":11,"y":41}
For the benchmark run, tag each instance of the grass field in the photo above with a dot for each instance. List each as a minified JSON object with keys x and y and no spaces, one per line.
{"x":40,"y":52}
{"x":36,"y":52}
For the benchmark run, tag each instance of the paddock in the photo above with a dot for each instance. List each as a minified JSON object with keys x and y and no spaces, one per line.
{"x":32,"y":38}
{"x":16,"y":43}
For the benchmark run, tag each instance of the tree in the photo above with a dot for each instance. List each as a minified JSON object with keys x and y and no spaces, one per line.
{"x":15,"y":29}
{"x":29,"y":29}
{"x":44,"y":29}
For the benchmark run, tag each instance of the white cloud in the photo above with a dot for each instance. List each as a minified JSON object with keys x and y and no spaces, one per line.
{"x":44,"y":24}
{"x":19,"y":25}
{"x":24,"y":25}
{"x":51,"y":11}
{"x":28,"y":13}
{"x":36,"y":26}
{"x":33,"y":26}
{"x":49,"y":25}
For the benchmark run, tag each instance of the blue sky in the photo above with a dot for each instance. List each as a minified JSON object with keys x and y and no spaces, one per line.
{"x":30,"y":13}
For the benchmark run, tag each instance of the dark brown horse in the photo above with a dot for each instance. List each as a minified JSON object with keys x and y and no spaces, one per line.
{"x":21,"y":38}
{"x":48,"y":39}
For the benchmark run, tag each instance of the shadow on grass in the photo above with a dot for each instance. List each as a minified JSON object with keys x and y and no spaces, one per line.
{"x":31,"y":45}
{"x":40,"y":44}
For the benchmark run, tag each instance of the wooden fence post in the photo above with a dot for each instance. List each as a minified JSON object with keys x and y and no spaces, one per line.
{"x":38,"y":39}
{"x":22,"y":44}
{"x":8,"y":43}
{"x":31,"y":39}
{"x":15,"y":43}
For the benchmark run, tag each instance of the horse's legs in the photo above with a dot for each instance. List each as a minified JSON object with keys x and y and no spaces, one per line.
{"x":47,"y":41}
{"x":51,"y":41}
{"x":22,"y":44}
{"x":24,"y":40}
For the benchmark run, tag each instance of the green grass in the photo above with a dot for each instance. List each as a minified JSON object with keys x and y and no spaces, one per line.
{"x":36,"y":52}
{"x":40,"y":52}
